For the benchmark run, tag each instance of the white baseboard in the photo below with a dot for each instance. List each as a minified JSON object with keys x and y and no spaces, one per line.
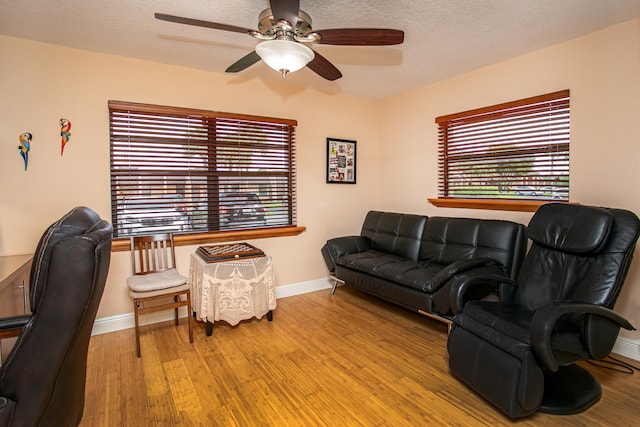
{"x":624,"y":346}
{"x":119,"y":322}
{"x":627,"y":347}
{"x":303,"y":288}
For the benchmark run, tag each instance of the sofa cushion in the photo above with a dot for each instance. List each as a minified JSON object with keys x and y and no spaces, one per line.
{"x":409,"y":273}
{"x":447,"y":240}
{"x":368,"y":261}
{"x":423,"y":276}
{"x":395,"y":233}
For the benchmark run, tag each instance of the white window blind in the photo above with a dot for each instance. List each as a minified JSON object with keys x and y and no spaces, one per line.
{"x":516,"y":150}
{"x":190,"y":171}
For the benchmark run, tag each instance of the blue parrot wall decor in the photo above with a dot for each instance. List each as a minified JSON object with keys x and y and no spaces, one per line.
{"x":25,"y":147}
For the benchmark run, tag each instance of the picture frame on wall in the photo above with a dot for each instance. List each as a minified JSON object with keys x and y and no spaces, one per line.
{"x":341,"y":161}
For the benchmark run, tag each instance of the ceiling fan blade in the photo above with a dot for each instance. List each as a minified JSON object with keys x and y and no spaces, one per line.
{"x":321,"y":66}
{"x":360,"y":36}
{"x":244,"y":62}
{"x":286,"y":10}
{"x":199,"y":23}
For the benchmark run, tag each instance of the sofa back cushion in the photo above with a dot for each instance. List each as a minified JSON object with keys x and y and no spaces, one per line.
{"x":451,"y":239}
{"x":395,"y":233}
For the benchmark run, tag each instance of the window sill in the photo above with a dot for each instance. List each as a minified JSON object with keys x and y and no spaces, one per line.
{"x":491,"y":204}
{"x":122,"y":243}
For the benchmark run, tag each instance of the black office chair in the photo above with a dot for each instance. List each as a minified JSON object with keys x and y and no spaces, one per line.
{"x":519,"y":352}
{"x":42,"y":381}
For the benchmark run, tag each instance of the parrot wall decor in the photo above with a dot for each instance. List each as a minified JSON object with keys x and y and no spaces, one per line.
{"x":65,"y":127}
{"x":25,"y":147}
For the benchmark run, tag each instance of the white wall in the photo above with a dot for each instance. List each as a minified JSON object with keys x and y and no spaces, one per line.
{"x":41,"y":83}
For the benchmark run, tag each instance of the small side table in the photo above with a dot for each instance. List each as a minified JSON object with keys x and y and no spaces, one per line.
{"x":231,"y":290}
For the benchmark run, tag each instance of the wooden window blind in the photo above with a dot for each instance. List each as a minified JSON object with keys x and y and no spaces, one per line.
{"x":191,"y":171}
{"x":517,"y":150}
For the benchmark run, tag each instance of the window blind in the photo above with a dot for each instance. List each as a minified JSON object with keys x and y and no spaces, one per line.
{"x":516,"y":150}
{"x":188,"y":171}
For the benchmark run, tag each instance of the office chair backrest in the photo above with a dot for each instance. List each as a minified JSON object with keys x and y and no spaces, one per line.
{"x":578,"y":253}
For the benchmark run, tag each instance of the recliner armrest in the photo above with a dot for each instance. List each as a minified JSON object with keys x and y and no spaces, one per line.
{"x":340,"y":246}
{"x":546,"y":317}
{"x":12,"y":326}
{"x":459,"y":272}
{"x":466,"y":282}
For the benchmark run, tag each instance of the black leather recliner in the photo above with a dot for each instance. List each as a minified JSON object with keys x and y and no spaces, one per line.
{"x":42,"y":381}
{"x":519,"y":353}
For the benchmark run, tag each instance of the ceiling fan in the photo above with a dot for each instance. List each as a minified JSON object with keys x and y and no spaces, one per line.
{"x":285,"y":30}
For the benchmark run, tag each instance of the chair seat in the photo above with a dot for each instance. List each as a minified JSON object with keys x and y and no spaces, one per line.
{"x":156,"y":281}
{"x":508,"y":326}
{"x":158,"y":292}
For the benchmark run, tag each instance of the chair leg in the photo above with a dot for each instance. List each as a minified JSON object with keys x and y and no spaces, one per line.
{"x":176,"y":299}
{"x":137,"y":303}
{"x":135,"y":314}
{"x":189,"y":318}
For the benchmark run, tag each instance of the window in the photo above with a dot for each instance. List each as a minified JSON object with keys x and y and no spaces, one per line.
{"x":193,"y":171}
{"x":513,"y":151}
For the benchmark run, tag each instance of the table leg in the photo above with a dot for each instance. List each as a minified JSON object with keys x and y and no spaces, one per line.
{"x":270,"y":315}
{"x":209,"y":328}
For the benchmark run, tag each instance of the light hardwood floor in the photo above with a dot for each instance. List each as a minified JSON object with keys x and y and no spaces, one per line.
{"x":342,"y":360}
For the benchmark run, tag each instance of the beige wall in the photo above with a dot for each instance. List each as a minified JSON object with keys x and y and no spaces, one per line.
{"x":397,"y":168}
{"x":602,"y":70}
{"x":41,"y":83}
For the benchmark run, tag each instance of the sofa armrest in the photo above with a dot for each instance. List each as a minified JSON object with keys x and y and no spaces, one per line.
{"x":340,"y":246}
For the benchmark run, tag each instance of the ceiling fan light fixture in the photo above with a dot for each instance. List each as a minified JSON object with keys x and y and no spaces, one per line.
{"x":284,"y":56}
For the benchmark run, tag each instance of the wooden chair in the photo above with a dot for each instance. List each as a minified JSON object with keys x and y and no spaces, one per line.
{"x":155,"y":284}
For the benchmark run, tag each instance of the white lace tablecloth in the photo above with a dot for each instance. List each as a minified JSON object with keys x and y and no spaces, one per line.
{"x":231,"y":290}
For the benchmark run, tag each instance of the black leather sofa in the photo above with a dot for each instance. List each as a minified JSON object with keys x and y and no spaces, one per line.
{"x":413,"y":260}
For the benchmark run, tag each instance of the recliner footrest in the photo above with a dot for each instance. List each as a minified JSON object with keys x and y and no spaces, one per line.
{"x":513,"y":385}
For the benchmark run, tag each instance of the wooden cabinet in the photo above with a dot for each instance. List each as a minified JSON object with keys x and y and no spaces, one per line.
{"x":14,"y":291}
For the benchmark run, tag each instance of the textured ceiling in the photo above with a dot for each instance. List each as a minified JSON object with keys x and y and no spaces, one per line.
{"x":443,"y":38}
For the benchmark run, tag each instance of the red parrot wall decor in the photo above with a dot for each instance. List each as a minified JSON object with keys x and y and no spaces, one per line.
{"x":65,"y":134}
